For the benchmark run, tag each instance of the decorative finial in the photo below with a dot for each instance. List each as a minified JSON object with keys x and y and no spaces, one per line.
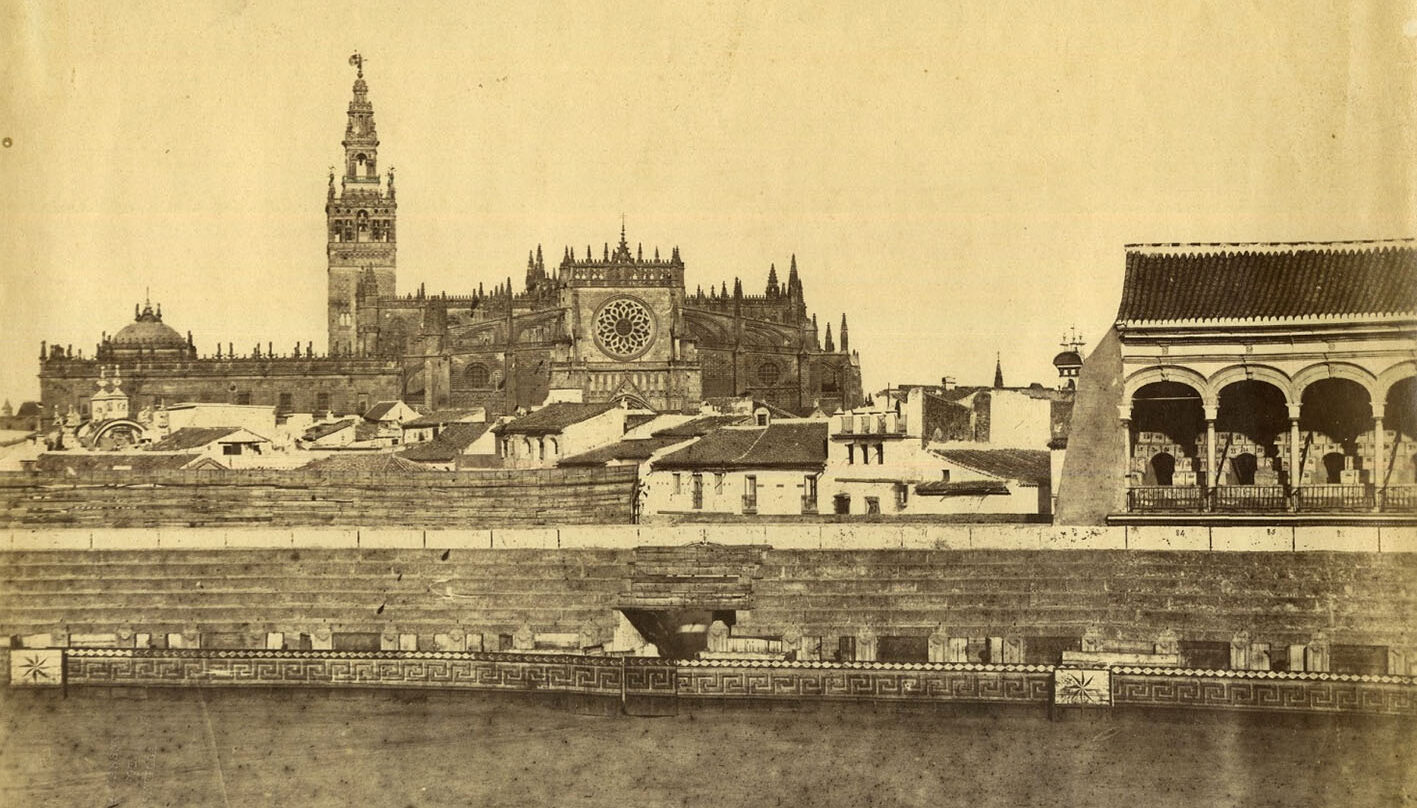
{"x":358,"y":62}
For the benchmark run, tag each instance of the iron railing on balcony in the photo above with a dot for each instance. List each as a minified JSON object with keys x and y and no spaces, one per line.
{"x":809,"y":504}
{"x":750,"y":503}
{"x":1250,"y":498}
{"x":1334,"y":498}
{"x":1352,"y":497}
{"x":1400,"y":499}
{"x":1166,"y":498}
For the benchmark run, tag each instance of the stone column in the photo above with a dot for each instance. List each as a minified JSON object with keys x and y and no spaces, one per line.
{"x":1295,"y":472}
{"x":1212,"y":471}
{"x":1378,"y":452}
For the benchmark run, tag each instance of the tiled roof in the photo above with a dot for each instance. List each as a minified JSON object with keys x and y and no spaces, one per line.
{"x":779,"y":445}
{"x":635,"y":419}
{"x":1237,"y":282}
{"x":65,"y":463}
{"x":449,"y":445}
{"x":377,"y":462}
{"x":438,"y":418}
{"x":325,"y":430}
{"x":635,"y":450}
{"x":554,"y":418}
{"x":702,"y":426}
{"x":963,"y":488}
{"x":1024,"y":465}
{"x":364,"y":430}
{"x":379,"y":410}
{"x":192,"y":437}
{"x":29,"y":409}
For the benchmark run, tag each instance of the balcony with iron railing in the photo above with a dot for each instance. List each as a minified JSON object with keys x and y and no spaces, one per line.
{"x":1166,"y":499}
{"x":809,"y":504}
{"x":750,"y":503}
{"x":1349,"y":497}
{"x":1262,"y":499}
{"x":1249,"y":498}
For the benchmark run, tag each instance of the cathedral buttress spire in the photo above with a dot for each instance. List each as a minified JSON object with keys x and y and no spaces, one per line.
{"x":830,"y":347}
{"x":845,"y":340}
{"x":773,"y":287}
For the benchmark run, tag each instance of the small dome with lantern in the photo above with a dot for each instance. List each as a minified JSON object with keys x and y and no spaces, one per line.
{"x":147,"y":336}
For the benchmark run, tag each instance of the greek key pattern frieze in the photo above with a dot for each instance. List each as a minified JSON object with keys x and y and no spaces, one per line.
{"x":554,"y":674}
{"x":829,"y":683}
{"x":1297,"y":695}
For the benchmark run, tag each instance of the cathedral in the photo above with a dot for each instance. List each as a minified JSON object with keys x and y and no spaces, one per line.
{"x":619,"y":325}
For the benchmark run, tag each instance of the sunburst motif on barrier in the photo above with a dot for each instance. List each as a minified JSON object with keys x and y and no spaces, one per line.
{"x":1083,"y":687}
{"x":36,"y":668}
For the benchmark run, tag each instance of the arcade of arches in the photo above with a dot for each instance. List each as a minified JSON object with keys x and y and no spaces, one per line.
{"x":1323,"y":440}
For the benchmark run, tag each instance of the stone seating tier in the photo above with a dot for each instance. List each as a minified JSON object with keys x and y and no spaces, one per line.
{"x":1131,"y":596}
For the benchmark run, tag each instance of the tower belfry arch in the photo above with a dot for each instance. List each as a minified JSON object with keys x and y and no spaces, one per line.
{"x":361,"y":214}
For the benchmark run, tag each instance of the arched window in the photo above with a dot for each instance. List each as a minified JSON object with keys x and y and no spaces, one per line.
{"x":1163,"y":465}
{"x":1243,"y":466}
{"x":1334,"y":464}
{"x":526,"y":447}
{"x":552,"y":448}
{"x":477,"y":376}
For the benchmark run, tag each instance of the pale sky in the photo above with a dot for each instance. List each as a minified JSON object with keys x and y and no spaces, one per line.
{"x":959,"y":177}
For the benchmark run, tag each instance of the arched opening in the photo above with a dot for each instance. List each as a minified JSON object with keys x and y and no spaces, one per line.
{"x":1334,"y":415}
{"x":1163,"y":467}
{"x":1251,"y":422}
{"x":1242,"y":469}
{"x":1167,"y":418}
{"x":1335,"y":463}
{"x":362,"y":225}
{"x":1400,"y":426}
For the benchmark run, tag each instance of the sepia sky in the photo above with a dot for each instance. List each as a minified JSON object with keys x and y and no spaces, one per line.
{"x":959,"y":177}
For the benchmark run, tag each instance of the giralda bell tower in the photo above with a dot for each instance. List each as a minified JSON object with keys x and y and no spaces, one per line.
{"x":360,"y":215}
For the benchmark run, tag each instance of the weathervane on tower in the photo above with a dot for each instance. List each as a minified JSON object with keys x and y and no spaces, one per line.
{"x":358,"y":62}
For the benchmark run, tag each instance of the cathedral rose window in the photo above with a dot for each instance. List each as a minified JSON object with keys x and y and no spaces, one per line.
{"x":624,"y":327}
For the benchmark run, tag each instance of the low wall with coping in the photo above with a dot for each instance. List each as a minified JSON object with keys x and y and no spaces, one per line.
{"x":645,"y":685}
{"x":1363,"y":539}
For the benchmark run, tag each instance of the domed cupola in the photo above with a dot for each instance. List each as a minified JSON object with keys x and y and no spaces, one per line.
{"x":147,"y":337}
